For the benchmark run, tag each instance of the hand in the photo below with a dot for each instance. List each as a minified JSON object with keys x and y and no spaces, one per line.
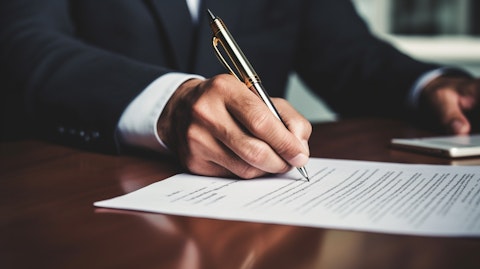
{"x":218,"y":127}
{"x":454,"y":102}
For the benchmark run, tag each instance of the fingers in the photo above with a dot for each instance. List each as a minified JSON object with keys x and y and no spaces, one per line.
{"x":451,"y":113}
{"x":451,"y":100}
{"x":260,"y":122}
{"x":233,"y":130}
{"x":296,"y":123}
{"x":229,"y":131}
{"x":209,"y":157}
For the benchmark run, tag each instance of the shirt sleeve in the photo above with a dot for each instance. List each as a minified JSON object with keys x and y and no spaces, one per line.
{"x":137,"y":126}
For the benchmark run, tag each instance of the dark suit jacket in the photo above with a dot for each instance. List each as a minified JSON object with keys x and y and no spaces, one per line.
{"x":76,"y":65}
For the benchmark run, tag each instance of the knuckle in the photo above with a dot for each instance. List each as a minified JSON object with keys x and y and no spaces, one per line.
{"x":260,"y":122}
{"x":286,"y":147}
{"x":256,"y":154}
{"x":203,"y":114}
{"x":220,"y":82}
{"x":286,"y":167}
{"x":197,"y":165}
{"x":198,"y":110}
{"x":249,"y":172}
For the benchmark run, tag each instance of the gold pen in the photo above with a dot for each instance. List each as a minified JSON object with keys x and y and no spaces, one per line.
{"x":246,"y":72}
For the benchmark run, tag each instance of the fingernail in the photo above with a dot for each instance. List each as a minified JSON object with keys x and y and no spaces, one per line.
{"x":299,"y":160}
{"x":457,"y":126}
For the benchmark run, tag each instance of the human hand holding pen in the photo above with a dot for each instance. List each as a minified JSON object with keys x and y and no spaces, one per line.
{"x":217,"y":127}
{"x":221,"y":36}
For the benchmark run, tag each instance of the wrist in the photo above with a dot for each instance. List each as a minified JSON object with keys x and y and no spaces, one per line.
{"x":176,"y":112}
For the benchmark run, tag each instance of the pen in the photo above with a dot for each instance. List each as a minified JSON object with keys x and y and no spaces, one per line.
{"x":246,"y":72}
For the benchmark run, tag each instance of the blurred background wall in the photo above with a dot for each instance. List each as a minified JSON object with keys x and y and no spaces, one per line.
{"x":441,"y":31}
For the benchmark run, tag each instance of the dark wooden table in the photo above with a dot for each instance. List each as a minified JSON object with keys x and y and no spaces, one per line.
{"x":47,"y":219}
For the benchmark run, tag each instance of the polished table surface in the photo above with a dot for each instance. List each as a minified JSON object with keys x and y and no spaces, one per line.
{"x":47,"y":219}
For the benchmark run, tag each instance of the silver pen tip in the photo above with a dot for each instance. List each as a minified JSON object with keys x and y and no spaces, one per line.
{"x":304,"y":173}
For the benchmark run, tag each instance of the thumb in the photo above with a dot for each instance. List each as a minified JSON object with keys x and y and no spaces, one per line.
{"x":449,"y":98}
{"x":459,"y":125}
{"x":451,"y":114}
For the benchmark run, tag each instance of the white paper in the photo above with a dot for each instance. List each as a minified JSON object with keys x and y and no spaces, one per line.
{"x":432,"y":200}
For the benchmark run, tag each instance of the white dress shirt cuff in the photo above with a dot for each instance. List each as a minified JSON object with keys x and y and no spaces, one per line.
{"x":137,"y":126}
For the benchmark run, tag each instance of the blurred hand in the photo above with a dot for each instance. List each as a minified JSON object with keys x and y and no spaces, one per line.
{"x":454,"y":102}
{"x":218,"y":127}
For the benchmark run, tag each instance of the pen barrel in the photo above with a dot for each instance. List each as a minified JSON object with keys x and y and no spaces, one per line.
{"x":258,"y":88}
{"x":243,"y":66}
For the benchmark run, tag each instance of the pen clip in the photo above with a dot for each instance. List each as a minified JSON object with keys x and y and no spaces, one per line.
{"x":220,"y":57}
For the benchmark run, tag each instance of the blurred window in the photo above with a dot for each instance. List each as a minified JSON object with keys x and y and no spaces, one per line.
{"x":435,"y":17}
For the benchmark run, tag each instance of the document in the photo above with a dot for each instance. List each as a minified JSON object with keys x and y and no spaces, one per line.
{"x":428,"y":200}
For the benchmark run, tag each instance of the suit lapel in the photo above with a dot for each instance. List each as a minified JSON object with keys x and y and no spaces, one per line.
{"x":176,"y":24}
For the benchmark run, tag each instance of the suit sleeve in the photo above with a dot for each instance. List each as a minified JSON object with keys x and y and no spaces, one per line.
{"x":359,"y":74}
{"x":72,"y":92}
